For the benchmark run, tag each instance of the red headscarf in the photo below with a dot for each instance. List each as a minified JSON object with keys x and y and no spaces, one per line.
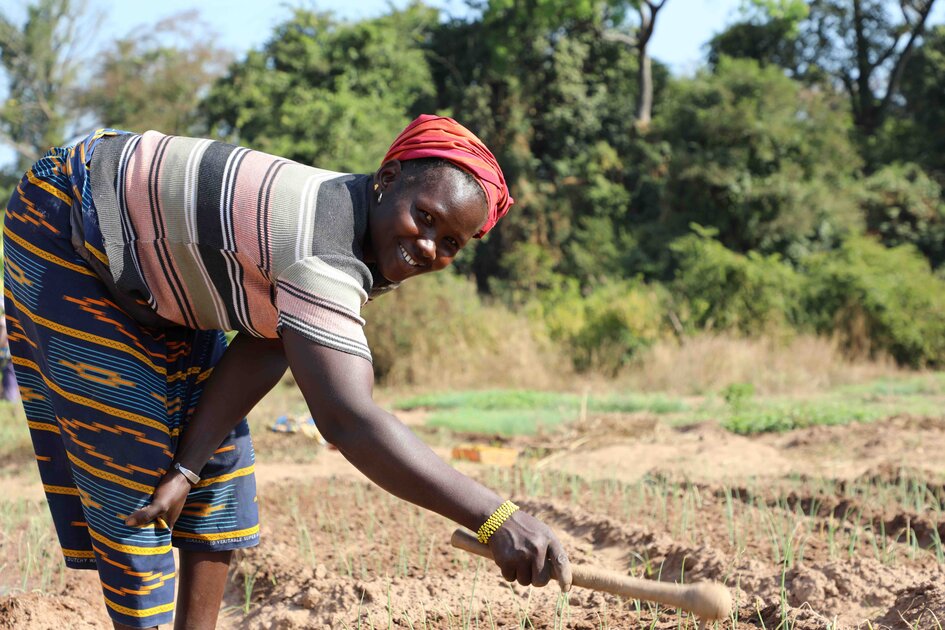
{"x":432,"y":136}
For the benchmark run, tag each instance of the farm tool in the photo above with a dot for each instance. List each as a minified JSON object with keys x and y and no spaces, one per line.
{"x":707,"y":600}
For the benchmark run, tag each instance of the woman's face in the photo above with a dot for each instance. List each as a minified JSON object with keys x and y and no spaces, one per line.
{"x":422,"y":221}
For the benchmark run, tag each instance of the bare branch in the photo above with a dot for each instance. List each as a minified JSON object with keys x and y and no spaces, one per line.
{"x":623,"y":38}
{"x":899,"y":68}
{"x":656,"y":6}
{"x":848,"y":83}
{"x":885,"y":56}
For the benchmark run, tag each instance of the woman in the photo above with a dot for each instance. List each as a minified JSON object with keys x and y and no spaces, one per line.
{"x":126,"y":256}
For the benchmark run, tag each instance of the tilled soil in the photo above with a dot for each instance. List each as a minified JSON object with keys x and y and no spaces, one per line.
{"x":797,"y":547}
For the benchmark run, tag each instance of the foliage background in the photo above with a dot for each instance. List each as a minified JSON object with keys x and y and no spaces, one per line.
{"x":792,"y":186}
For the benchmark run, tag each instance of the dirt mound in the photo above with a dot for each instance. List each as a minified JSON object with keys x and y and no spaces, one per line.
{"x":778,"y":615}
{"x":857,"y":450}
{"x":801,"y":543}
{"x":921,"y":606}
{"x":41,"y":612}
{"x":656,"y":554}
{"x":923,"y":529}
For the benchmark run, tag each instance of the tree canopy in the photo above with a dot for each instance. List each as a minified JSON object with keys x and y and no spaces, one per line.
{"x":771,"y":190}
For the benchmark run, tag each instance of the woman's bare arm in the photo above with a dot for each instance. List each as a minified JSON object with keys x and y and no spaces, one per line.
{"x":249,"y":368}
{"x":340,"y":386}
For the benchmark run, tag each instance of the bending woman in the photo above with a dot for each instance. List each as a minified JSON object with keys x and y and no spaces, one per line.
{"x":128,"y":255}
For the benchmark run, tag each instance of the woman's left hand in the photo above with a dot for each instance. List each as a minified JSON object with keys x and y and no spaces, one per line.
{"x":166,"y":502}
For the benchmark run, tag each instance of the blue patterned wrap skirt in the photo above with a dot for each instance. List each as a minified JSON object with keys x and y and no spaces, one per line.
{"x":106,"y":399}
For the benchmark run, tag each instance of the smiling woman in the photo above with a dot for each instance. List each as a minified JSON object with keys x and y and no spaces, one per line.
{"x":444,"y":187}
{"x":431,"y":208}
{"x":127,"y":256}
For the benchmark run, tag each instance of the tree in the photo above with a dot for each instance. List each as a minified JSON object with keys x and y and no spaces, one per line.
{"x":557,"y":103}
{"x":325,"y":92}
{"x":608,"y":16}
{"x":40,"y":60}
{"x":874,"y":53}
{"x":155,"y":79}
{"x":648,"y":10}
{"x":765,"y":38}
{"x":757,"y":156}
{"x":863,"y":46}
{"x":918,"y":134}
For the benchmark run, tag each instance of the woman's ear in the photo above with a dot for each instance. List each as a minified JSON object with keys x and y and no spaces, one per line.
{"x":387,"y":174}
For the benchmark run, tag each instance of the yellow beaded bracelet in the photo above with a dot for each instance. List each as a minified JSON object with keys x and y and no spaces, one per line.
{"x":495,"y":521}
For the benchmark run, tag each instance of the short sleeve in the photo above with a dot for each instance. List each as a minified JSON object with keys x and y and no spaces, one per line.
{"x":323,"y":304}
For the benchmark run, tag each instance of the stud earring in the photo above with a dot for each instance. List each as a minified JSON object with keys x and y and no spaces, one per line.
{"x":380,"y":195}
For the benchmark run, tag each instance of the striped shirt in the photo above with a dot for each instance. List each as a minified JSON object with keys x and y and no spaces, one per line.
{"x":216,"y":236}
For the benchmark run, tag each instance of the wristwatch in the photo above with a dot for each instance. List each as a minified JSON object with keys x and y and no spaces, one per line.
{"x":190,"y":475}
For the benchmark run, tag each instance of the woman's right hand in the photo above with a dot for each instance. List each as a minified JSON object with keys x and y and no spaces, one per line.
{"x":166,"y":502}
{"x":528,"y":551}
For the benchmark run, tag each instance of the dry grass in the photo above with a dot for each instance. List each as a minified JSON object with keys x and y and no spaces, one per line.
{"x":436,"y":333}
{"x":507,"y":357}
{"x":708,"y":363}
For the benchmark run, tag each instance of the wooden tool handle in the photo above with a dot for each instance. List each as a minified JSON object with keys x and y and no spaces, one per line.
{"x":707,"y":600}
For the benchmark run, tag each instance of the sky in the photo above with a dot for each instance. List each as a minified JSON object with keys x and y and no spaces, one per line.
{"x":682,"y":27}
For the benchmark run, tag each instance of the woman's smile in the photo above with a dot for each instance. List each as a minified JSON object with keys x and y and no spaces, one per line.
{"x":410,"y":261}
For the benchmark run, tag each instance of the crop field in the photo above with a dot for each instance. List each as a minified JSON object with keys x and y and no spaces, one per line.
{"x":820,"y":511}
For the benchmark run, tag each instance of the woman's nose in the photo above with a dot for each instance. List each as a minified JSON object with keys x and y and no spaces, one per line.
{"x":427,"y":248}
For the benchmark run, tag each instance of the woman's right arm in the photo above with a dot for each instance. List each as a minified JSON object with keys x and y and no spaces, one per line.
{"x":249,"y":368}
{"x":340,"y":387}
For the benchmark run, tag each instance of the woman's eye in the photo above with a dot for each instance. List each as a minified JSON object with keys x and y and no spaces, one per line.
{"x":453,"y":244}
{"x":427,"y":218}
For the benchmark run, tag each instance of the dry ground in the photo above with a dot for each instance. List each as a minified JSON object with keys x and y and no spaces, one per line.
{"x":825,"y":527}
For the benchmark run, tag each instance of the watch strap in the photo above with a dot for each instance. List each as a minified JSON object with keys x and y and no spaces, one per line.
{"x":190,"y":475}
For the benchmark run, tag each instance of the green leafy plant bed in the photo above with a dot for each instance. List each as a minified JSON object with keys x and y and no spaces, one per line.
{"x":931,"y":384}
{"x":522,"y":412}
{"x":498,"y":421}
{"x":785,"y":415}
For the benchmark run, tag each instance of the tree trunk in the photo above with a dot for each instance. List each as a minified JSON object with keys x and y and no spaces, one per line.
{"x":869,"y":108}
{"x":645,"y":85}
{"x":648,"y":10}
{"x":865,"y":103}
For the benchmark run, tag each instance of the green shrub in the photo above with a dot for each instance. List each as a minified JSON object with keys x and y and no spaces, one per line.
{"x":902,"y":204}
{"x":793,"y":415}
{"x":605,"y":328}
{"x":737,"y":395}
{"x":878,"y":299}
{"x":724,"y":290}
